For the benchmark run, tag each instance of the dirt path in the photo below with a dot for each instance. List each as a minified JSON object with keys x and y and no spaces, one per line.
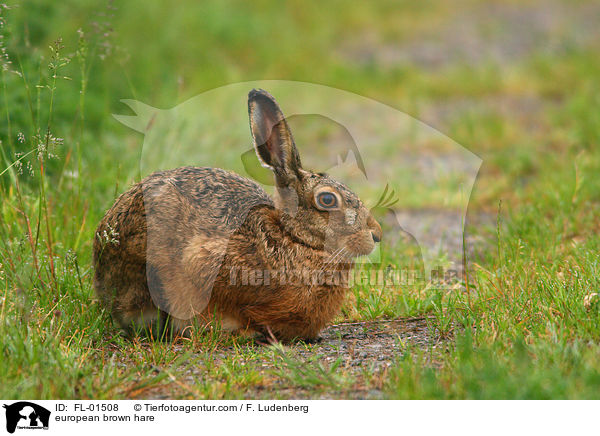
{"x":364,"y":351}
{"x":352,"y":357}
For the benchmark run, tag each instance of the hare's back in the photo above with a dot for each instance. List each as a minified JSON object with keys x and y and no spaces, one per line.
{"x":213,"y":198}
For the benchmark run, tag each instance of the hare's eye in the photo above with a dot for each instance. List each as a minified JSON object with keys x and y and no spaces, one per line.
{"x":327,"y":200}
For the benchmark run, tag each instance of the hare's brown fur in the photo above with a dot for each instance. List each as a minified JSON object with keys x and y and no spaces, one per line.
{"x":180,"y":241}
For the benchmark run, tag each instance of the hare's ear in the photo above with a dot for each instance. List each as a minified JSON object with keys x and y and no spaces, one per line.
{"x":272,"y":137}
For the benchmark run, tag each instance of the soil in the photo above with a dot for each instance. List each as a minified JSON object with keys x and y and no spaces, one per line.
{"x":363,"y":347}
{"x":355,"y":356}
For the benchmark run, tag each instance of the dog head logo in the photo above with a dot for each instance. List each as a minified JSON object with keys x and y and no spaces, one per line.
{"x":26,"y":415}
{"x":406,"y":172}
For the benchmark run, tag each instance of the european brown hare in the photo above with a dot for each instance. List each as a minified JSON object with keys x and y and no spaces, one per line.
{"x":194,"y":244}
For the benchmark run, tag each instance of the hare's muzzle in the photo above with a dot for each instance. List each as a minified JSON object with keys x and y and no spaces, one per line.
{"x":375,"y":228}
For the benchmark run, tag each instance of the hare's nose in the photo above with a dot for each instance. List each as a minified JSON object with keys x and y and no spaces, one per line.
{"x":376,"y":238}
{"x":375,"y":229}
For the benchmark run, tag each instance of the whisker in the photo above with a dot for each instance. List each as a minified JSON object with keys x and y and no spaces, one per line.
{"x":333,"y":255}
{"x":339,"y":257}
{"x":338,"y":253}
{"x":334,"y":259}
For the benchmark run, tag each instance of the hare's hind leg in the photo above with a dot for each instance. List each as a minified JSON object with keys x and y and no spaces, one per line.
{"x":131,"y":306}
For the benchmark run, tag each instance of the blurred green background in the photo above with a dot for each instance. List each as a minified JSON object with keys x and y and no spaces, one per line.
{"x":511,"y":81}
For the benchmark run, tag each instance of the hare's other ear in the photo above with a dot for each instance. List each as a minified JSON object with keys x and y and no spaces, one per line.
{"x":272,"y":137}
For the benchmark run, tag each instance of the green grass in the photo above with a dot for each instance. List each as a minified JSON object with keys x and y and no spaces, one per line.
{"x":517,"y":328}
